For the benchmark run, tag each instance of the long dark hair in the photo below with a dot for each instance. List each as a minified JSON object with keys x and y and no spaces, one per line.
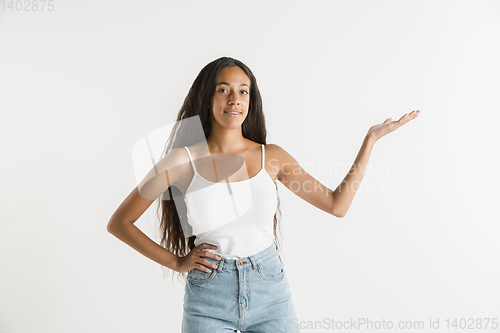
{"x":196,"y":104}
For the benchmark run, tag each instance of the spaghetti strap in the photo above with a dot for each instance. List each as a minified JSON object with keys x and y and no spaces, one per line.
{"x":191,"y":159}
{"x":263,"y":156}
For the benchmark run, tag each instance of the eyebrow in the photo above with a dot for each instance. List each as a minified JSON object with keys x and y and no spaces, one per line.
{"x":227,"y":84}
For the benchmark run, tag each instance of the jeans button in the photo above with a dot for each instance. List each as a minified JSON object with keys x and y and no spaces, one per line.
{"x":240,"y":263}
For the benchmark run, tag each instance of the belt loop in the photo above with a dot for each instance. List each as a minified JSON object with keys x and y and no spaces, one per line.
{"x":254,"y":264}
{"x":220,"y":264}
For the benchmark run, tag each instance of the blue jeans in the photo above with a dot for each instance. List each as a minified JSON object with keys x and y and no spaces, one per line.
{"x":250,"y":295}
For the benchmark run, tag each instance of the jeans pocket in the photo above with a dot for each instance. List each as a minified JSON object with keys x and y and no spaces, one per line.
{"x":198,"y":276}
{"x":271,"y":269}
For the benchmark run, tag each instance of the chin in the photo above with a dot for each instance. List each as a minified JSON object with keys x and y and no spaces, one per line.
{"x":233,"y":125}
{"x":234,"y":122}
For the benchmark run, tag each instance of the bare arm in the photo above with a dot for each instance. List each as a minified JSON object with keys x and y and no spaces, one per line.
{"x":129,"y":233}
{"x":338,"y":201}
{"x":301,"y":183}
{"x":345,"y":192}
{"x":121,"y":224}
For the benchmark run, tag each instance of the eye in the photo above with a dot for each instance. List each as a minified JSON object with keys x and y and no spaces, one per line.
{"x":243,"y":91}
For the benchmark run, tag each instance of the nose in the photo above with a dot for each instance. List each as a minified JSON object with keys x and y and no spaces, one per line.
{"x":233,"y":98}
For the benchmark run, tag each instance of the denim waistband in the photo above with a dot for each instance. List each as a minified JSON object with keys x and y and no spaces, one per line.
{"x":250,"y":261}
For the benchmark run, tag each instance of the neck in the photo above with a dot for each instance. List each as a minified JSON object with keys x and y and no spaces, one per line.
{"x":226,"y":140}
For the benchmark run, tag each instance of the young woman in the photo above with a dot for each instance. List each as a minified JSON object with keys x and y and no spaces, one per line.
{"x":217,"y":183}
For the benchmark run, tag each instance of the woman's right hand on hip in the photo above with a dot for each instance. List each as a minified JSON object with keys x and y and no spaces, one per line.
{"x":194,"y":259}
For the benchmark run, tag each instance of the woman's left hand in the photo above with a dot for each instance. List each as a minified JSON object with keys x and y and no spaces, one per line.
{"x":388,"y":126}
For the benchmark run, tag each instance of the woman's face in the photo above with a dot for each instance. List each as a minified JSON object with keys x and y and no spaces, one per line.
{"x":232,"y":93}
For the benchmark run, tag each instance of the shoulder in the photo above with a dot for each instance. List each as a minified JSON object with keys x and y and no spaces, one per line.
{"x":273,"y":146}
{"x":177,"y":165}
{"x":276,"y":149}
{"x":279,"y":154}
{"x":173,"y":159}
{"x":282,"y":162}
{"x":178,"y":154}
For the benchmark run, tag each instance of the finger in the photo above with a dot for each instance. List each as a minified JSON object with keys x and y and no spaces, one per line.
{"x":208,"y":246}
{"x":208,"y":263}
{"x":208,"y":254}
{"x":198,"y":264}
{"x":412,"y":115}
{"x":388,"y":120}
{"x":203,"y":268}
{"x":213,"y":255}
{"x":205,"y":246}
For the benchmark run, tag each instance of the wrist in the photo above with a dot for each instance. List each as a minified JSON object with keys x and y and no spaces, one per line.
{"x":370,"y":139}
{"x":173,"y":263}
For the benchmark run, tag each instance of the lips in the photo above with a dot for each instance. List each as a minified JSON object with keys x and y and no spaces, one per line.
{"x":232,"y":113}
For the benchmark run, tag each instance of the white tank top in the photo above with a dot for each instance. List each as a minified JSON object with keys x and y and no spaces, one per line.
{"x":237,"y":217}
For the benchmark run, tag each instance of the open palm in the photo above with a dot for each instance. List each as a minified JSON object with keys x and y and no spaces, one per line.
{"x":388,"y":126}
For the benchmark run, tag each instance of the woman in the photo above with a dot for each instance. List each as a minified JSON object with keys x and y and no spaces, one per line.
{"x":217,"y":183}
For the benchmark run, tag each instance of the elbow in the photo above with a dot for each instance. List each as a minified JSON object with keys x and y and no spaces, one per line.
{"x":337,"y":208}
{"x":111,"y":227}
{"x":339,"y":214}
{"x":115,"y":227}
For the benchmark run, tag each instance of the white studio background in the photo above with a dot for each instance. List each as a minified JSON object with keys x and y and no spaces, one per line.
{"x":82,"y":83}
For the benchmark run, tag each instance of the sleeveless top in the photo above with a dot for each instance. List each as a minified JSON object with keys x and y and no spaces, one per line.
{"x":237,"y":217}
